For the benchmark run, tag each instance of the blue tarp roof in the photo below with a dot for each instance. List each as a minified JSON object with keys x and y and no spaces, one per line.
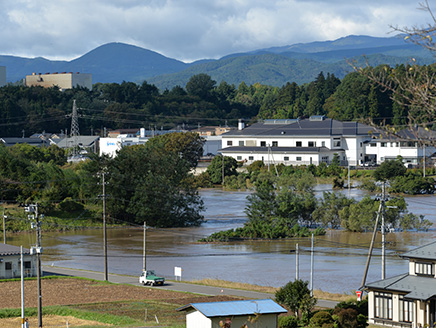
{"x":218,"y":309}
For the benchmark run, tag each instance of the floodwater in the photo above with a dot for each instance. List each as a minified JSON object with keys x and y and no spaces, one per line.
{"x":339,"y":257}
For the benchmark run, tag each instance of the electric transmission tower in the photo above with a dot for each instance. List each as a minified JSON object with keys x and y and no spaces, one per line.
{"x":74,"y":134}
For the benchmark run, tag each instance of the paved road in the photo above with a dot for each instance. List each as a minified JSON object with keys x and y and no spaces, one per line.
{"x":169,"y":285}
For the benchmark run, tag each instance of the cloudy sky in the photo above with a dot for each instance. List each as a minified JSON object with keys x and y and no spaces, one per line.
{"x":191,"y":29}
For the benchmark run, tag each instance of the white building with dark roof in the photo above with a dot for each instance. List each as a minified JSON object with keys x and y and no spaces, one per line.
{"x":10,"y":265}
{"x":318,"y":139}
{"x":298,"y":142}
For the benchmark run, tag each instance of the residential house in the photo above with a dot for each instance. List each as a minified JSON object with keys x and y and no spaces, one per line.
{"x":236,"y":313}
{"x":407,"y":300}
{"x":10,"y":262}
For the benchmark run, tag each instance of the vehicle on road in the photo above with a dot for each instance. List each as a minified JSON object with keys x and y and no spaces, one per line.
{"x":149,"y":277}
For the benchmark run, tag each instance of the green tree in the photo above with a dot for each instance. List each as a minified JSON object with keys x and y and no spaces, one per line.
{"x":215,"y":168}
{"x":296,"y":296}
{"x":201,"y":85}
{"x":151,"y":183}
{"x":262,"y":204}
{"x":388,"y":170}
{"x":329,"y":207}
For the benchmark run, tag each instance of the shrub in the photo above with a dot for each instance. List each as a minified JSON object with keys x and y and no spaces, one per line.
{"x":288,"y":322}
{"x":69,"y":205}
{"x":322,"y":319}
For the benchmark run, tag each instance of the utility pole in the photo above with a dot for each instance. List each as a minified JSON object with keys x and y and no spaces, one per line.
{"x":22,"y":287}
{"x":104,"y":227}
{"x":4,"y":226}
{"x":423,"y":159}
{"x":33,"y":208}
{"x":311,"y":269}
{"x":383,"y":231}
{"x":222,"y":168}
{"x":145,"y":261}
{"x":297,"y":269}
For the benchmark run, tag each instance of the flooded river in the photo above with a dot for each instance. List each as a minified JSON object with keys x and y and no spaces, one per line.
{"x":339,"y":257}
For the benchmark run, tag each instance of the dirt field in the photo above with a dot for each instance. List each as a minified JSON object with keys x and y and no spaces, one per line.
{"x":78,"y":291}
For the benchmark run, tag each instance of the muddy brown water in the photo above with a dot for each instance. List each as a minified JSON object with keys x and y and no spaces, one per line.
{"x":339,"y":257}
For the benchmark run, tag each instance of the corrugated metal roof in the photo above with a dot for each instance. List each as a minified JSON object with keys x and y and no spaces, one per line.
{"x":6,"y":250}
{"x":218,"y":309}
{"x":415,"y":287}
{"x":424,"y":252}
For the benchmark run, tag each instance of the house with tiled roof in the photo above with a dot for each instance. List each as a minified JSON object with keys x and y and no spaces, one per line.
{"x":10,"y":262}
{"x":409,"y":299}
{"x":232,"y":313}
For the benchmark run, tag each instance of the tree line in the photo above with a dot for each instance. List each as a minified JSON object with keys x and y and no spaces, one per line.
{"x":201,"y":101}
{"x":148,"y":183}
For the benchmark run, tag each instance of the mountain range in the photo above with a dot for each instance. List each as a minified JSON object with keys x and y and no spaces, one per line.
{"x":300,"y":63}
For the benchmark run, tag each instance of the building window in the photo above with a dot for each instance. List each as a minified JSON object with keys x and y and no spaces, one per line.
{"x":229,"y":143}
{"x":325,"y":159}
{"x":275,"y":143}
{"x":298,"y":159}
{"x":336,"y":142}
{"x":239,"y":158}
{"x":383,"y":144}
{"x":298,"y":144}
{"x":8,"y":265}
{"x":286,"y":158}
{"x":263,"y":143}
{"x":241,"y":143}
{"x":373,"y":144}
{"x":406,"y":309}
{"x":27,"y":265}
{"x":311,"y":144}
{"x":383,"y":305}
{"x":322,"y":143}
{"x":425,"y":269}
{"x":250,"y":158}
{"x":361,"y":144}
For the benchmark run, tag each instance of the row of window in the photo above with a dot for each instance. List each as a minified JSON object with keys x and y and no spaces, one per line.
{"x":424,"y":269}
{"x":241,"y":143}
{"x":285,"y":158}
{"x":27,"y":265}
{"x":383,"y":307}
{"x":395,"y":144}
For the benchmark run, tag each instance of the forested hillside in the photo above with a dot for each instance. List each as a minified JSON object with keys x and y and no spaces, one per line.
{"x":200,"y":102}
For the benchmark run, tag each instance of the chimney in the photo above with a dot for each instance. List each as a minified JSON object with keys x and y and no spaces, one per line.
{"x":241,"y":124}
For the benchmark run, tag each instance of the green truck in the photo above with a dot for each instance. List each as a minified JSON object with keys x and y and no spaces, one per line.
{"x":149,"y":278}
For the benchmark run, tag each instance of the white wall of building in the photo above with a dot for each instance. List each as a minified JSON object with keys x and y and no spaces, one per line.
{"x":110,"y":146}
{"x":197,"y":320}
{"x":10,"y":266}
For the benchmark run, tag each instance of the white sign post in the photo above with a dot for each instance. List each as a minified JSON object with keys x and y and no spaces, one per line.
{"x":178,"y":273}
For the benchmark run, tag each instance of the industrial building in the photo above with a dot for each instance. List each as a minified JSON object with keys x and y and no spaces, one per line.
{"x":62,"y":80}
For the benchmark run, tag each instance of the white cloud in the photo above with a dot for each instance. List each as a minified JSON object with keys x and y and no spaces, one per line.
{"x":191,"y":29}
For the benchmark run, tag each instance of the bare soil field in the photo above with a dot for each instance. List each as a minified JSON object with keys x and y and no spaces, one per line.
{"x":79,"y":291}
{"x":69,"y":291}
